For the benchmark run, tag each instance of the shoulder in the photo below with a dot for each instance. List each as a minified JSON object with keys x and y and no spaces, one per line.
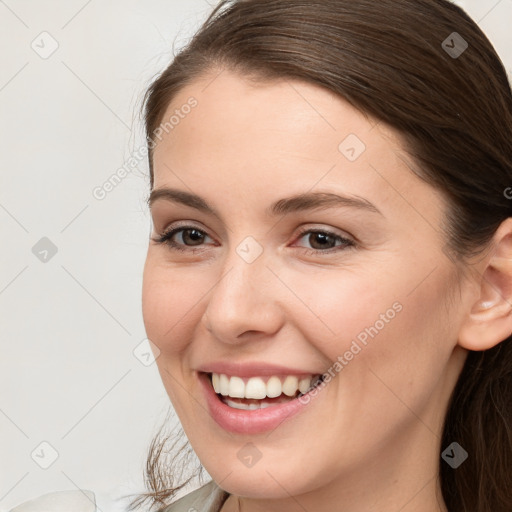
{"x":208,"y":498}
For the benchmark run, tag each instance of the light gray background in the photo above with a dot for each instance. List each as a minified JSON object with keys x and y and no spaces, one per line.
{"x":69,"y":326}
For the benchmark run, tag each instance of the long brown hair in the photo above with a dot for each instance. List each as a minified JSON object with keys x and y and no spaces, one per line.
{"x":426,"y":69}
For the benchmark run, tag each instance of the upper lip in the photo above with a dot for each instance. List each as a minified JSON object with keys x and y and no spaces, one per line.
{"x":252,"y":369}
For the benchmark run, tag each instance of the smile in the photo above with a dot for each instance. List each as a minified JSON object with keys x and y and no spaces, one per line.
{"x":255,"y":390}
{"x":256,"y":404}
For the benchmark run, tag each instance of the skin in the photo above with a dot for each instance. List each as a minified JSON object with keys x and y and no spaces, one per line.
{"x":371,"y":439}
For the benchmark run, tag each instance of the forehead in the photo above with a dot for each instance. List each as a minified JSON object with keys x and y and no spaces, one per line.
{"x":278,"y":125}
{"x":292,"y":117}
{"x":291,"y":134}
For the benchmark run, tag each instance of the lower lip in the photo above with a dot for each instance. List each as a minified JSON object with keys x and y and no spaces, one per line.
{"x":256,"y":421}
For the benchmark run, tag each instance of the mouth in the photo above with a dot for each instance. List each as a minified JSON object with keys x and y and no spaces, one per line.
{"x":257,"y":397}
{"x":254,"y":393}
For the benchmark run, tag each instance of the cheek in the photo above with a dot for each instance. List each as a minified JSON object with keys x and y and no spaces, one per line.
{"x":169,"y":298}
{"x":394,"y":344}
{"x":404,"y":358}
{"x":381,"y":322}
{"x":338,"y":307}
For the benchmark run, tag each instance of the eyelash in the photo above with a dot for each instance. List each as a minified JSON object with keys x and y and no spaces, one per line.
{"x":166,"y":238}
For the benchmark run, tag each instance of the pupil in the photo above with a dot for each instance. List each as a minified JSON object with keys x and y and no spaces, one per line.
{"x":323,"y":238}
{"x":194,"y":235}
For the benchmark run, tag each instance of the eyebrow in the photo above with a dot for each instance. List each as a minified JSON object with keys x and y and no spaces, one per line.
{"x":296,"y":203}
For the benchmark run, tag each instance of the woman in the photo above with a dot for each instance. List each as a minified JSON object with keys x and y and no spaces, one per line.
{"x":329,"y":280}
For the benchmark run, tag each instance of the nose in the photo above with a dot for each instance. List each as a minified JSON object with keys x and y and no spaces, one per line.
{"x":246,"y":301}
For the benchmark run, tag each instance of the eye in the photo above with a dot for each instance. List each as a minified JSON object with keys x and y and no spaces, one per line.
{"x":187,"y":234}
{"x":324,"y":241}
{"x":192,"y":238}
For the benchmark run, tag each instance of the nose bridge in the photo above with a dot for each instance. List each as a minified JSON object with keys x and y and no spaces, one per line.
{"x":245,"y":280}
{"x":243,"y":299}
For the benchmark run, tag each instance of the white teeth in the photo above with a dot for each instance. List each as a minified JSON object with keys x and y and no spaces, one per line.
{"x":274,"y":387}
{"x":257,"y":388}
{"x":304,"y":385}
{"x":236,"y":387}
{"x":290,"y":385}
{"x":247,"y":407}
{"x":215,"y":382}
{"x":223,"y":384}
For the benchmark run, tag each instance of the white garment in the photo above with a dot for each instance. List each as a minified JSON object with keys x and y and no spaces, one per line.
{"x":208,"y":498}
{"x":60,"y":501}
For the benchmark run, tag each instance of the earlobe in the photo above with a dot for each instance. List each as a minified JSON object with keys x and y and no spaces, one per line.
{"x":486,"y":326}
{"x":489,"y":320}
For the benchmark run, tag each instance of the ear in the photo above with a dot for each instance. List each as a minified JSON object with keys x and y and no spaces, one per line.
{"x":490,"y":320}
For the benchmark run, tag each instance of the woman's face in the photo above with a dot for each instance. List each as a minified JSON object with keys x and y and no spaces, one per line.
{"x":264,"y":285}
